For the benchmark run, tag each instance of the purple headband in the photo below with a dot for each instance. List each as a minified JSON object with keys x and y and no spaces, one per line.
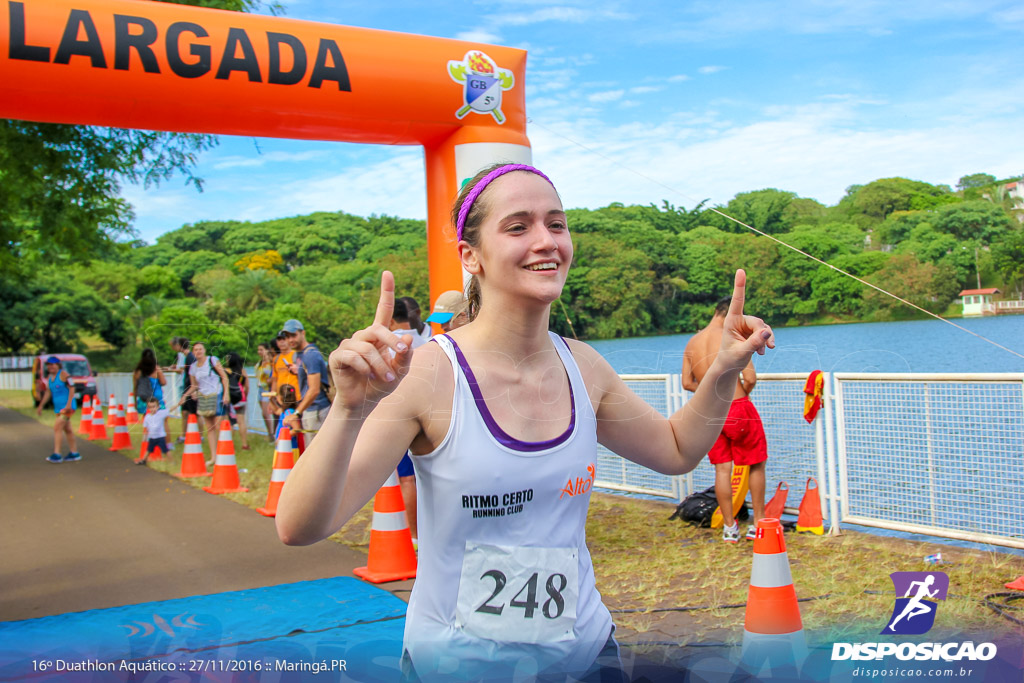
{"x":482,"y":185}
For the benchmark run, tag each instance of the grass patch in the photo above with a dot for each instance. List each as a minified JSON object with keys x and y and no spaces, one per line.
{"x":643,"y":562}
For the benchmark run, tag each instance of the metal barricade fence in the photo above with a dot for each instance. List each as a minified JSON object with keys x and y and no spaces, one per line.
{"x":617,"y":473}
{"x":796,"y":449}
{"x":16,"y":381}
{"x":939,"y":454}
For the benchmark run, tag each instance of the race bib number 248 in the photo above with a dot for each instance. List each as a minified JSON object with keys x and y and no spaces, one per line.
{"x":518,"y":594}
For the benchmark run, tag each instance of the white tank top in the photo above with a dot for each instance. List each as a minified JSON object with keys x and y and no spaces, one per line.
{"x":505,"y":582}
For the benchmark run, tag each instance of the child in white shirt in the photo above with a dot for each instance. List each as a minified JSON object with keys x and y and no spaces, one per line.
{"x":154,"y":423}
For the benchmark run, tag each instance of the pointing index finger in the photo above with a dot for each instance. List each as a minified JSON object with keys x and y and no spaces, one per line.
{"x":739,"y":290}
{"x":386,"y":305}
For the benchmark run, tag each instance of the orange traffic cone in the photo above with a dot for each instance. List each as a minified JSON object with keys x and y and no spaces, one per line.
{"x":283,"y":464}
{"x":85,"y":424}
{"x":777,"y":505}
{"x":121,"y":438}
{"x":225,"y":471}
{"x":392,"y":557}
{"x":810,"y":510}
{"x":99,"y":427}
{"x":773,"y":633}
{"x":132,"y":415}
{"x":1017,"y":585}
{"x":193,"y":463}
{"x":111,"y":410}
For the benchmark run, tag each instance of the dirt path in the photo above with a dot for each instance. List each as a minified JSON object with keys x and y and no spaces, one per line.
{"x":102,"y":532}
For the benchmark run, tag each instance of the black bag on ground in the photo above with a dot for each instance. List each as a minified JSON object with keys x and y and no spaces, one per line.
{"x":698,"y":508}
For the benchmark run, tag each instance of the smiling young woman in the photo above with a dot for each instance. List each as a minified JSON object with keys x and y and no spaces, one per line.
{"x":498,"y":415}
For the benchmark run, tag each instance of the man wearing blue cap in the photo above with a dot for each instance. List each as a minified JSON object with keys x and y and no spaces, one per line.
{"x":61,"y":389}
{"x":450,"y":310}
{"x":314,"y":379}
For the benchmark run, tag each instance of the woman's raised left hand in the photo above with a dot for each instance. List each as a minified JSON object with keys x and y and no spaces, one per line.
{"x":743,"y":335}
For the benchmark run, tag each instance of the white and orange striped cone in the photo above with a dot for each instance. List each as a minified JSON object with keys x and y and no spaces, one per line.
{"x":392,"y":557}
{"x":193,"y":462}
{"x":225,"y":471}
{"x":131,"y":415}
{"x":85,"y":424}
{"x":111,"y":411}
{"x":121,"y":438}
{"x":99,"y":427}
{"x":773,"y":632}
{"x":284,"y":461}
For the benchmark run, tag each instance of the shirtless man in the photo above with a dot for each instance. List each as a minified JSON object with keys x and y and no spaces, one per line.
{"x":742,"y":439}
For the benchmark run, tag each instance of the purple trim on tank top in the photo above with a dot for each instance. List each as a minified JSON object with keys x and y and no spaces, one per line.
{"x":496,"y":431}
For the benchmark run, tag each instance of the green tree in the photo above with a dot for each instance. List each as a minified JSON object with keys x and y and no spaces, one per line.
{"x":974,"y":220}
{"x":60,"y":184}
{"x":871,"y":204}
{"x":189,"y":263}
{"x":608,"y":290}
{"x":974,"y":181}
{"x":926,"y":285}
{"x":158,"y":281}
{"x":767,"y":210}
{"x":51,"y":310}
{"x":1008,"y":258}
{"x":837,"y":294}
{"x":252,"y":289}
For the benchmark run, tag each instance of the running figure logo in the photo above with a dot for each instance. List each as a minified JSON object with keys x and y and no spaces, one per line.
{"x":484,"y":84}
{"x":914,"y":613}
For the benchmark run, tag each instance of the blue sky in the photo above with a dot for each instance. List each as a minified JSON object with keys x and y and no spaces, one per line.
{"x":644,"y":101}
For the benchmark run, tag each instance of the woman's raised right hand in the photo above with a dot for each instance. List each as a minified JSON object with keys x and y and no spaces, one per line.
{"x":362,"y":369}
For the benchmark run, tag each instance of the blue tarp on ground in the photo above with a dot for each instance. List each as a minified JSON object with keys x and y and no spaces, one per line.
{"x":277,"y":633}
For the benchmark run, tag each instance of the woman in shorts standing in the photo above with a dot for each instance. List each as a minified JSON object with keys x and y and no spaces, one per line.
{"x":210,"y":384}
{"x":61,"y":390}
{"x":498,"y":415}
{"x":264,"y":372}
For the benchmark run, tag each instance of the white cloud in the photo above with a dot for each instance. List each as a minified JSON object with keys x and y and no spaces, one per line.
{"x":276,"y":157}
{"x":816,"y":151}
{"x":644,"y":89}
{"x":678,"y":78}
{"x":713,"y":22}
{"x":394,"y":185}
{"x":573,"y":15}
{"x":487,"y":37}
{"x":712,"y":69}
{"x":606,"y":96}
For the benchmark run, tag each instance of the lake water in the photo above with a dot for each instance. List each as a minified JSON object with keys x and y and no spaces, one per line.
{"x":911,"y":346}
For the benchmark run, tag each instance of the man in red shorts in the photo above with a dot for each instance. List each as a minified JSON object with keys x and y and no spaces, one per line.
{"x":742,"y":439}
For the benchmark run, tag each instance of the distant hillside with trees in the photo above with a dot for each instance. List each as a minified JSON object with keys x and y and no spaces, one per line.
{"x":639,"y":270}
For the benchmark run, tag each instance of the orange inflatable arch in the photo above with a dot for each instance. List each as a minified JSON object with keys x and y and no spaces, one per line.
{"x":160,"y":66}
